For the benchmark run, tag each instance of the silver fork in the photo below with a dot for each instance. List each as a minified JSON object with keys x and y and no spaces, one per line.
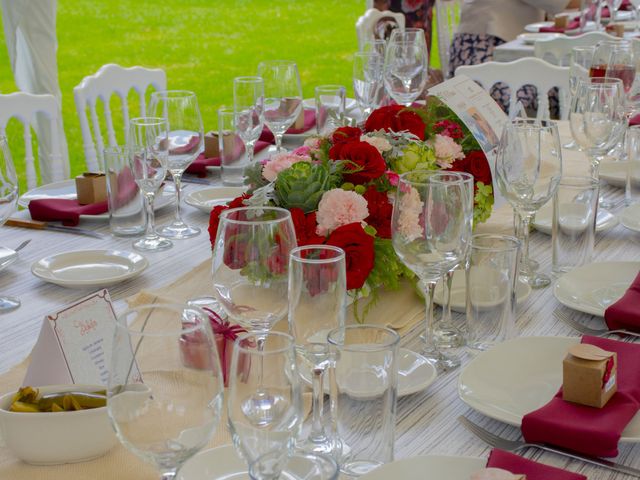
{"x":515,"y":445}
{"x":594,"y":332}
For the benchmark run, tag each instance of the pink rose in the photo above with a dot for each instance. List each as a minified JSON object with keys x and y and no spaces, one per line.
{"x":280,"y":162}
{"x":339,"y":207}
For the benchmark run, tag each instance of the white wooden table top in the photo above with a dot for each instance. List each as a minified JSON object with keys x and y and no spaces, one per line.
{"x":426,"y":422}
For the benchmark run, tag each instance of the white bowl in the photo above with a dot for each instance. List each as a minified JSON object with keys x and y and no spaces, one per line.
{"x":51,"y":438}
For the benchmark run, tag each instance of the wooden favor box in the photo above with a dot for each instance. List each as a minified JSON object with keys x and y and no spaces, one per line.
{"x":91,"y":187}
{"x":589,"y":381}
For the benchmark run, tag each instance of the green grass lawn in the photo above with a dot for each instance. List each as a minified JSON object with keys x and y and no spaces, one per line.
{"x":201,"y":44}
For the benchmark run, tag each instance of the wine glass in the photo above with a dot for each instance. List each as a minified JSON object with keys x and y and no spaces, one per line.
{"x":431,"y":233}
{"x":248,"y":107}
{"x":579,"y":67}
{"x":317,"y":303}
{"x":8,"y":201}
{"x":613,"y":5}
{"x":528,"y":170}
{"x":376,"y":45}
{"x":406,"y":69}
{"x":614,"y":59}
{"x":367,"y":81}
{"x":147,"y":145}
{"x":283,"y":96}
{"x":165,"y":386}
{"x":250,"y":265}
{"x":636,"y":11}
{"x":186,"y":136}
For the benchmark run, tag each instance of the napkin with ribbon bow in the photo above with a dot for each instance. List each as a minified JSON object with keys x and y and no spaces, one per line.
{"x":533,"y":470}
{"x":200,"y":164}
{"x":588,"y":430}
{"x":625,"y":313}
{"x":309,"y":123}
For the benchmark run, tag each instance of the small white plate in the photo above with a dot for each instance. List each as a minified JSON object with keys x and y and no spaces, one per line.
{"x":604,"y":221}
{"x":630,"y":217}
{"x":459,"y":288}
{"x":429,"y":466}
{"x":615,"y":174}
{"x":535,"y":27}
{"x":531,"y":38}
{"x":207,"y":198}
{"x":592,"y":288}
{"x":67,"y":189}
{"x":89,"y":268}
{"x":519,"y":376}
{"x":415,"y":373}
{"x":7,"y":257}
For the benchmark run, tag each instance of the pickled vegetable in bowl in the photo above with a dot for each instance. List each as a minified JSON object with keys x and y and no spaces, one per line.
{"x":30,"y":400}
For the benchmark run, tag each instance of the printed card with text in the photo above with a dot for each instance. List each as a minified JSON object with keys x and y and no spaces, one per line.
{"x":74,"y":344}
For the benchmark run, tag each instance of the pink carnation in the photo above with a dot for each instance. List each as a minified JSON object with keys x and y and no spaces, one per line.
{"x":303,"y":150}
{"x":447,"y":150}
{"x":410,"y":210}
{"x":393,"y":177}
{"x":280,"y":162}
{"x":340,"y":207}
{"x":312,"y":142}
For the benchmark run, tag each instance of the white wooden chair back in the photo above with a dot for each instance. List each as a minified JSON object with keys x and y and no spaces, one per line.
{"x":524,"y":71}
{"x":109,"y":80}
{"x":376,"y":24}
{"x":558,"y":50}
{"x":24,"y":107}
{"x":447,"y":20}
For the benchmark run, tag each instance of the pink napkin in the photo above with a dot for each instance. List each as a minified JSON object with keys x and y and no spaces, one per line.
{"x":193,"y":142}
{"x":200,"y":164}
{"x":66,"y":210}
{"x":635,"y":120}
{"x":571,"y":25}
{"x":625,"y":313}
{"x":592,"y":431}
{"x":309,"y":123}
{"x":533,"y":470}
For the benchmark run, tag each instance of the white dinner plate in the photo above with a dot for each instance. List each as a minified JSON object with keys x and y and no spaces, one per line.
{"x":615,"y":174}
{"x":415,"y":373}
{"x":67,"y":189}
{"x":592,"y":288}
{"x":531,"y":38}
{"x":89,"y":268}
{"x":542,"y":222}
{"x":458,"y":292}
{"x":519,"y":376}
{"x":207,"y":198}
{"x":7,"y":257}
{"x":535,"y":27}
{"x":438,"y":467}
{"x":630,"y":217}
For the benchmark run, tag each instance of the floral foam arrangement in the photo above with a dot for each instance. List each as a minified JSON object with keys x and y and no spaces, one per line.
{"x":339,"y":189}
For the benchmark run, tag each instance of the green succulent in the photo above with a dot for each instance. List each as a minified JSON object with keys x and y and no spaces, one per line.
{"x":302,"y":185}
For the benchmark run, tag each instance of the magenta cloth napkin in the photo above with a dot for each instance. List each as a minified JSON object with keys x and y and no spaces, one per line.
{"x":625,"y":313}
{"x":200,"y":164}
{"x":533,"y":470}
{"x":309,"y":123}
{"x":193,"y":142}
{"x":571,"y":25}
{"x":635,"y":120}
{"x":63,"y":209}
{"x":588,"y":430}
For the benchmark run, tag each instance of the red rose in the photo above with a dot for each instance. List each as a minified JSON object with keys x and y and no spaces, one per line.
{"x":214,"y":217}
{"x":395,"y":118}
{"x":478,"y":166}
{"x":305,"y":227}
{"x":410,"y":121}
{"x":461,"y":165}
{"x":367,"y":162}
{"x":345,"y":134}
{"x":359,"y":252}
{"x":380,"y":210}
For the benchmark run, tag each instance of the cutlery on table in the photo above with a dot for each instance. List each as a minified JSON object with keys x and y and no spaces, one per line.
{"x":22,"y":245}
{"x":594,"y":332}
{"x":196,"y":180}
{"x":37,"y":225}
{"x":515,"y":445}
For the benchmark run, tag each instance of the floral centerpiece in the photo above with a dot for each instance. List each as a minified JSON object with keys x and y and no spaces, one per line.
{"x":339,"y":189}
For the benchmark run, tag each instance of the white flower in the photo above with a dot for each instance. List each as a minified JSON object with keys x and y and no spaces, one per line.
{"x":381,"y":144}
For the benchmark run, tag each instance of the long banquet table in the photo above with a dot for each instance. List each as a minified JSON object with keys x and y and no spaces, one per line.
{"x":426,"y":421}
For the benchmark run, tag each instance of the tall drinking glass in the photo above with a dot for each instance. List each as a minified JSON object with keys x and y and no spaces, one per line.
{"x":406,"y":70}
{"x":376,"y":45}
{"x":248,"y":105}
{"x":186,"y":136}
{"x":147,"y":145}
{"x":330,"y":106}
{"x":368,"y":85}
{"x":579,"y":67}
{"x":250,"y":265}
{"x":283,"y":96}
{"x":528,"y":168}
{"x":431,"y":232}
{"x":164,"y":406}
{"x":8,"y":201}
{"x":317,"y":304}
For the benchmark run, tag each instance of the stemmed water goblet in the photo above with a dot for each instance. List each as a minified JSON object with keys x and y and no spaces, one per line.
{"x":283,"y":96}
{"x":8,"y":201}
{"x":165,"y":385}
{"x":528,"y":170}
{"x":248,"y":107}
{"x":147,"y":146}
{"x":186,"y":136}
{"x":367,"y":81}
{"x":431,"y":233}
{"x":406,"y":68}
{"x":317,"y":304}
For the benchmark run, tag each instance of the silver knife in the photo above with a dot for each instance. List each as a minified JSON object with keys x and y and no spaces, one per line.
{"x":37,"y":225}
{"x":514,"y":445}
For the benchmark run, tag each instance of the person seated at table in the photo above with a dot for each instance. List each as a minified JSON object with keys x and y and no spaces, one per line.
{"x":485,"y":24}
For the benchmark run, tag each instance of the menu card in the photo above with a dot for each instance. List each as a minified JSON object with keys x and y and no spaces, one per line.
{"x":74,"y":344}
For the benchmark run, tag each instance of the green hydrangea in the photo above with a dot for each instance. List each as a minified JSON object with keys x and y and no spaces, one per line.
{"x":415,"y":156}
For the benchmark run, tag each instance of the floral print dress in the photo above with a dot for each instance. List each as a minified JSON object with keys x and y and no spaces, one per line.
{"x":417,"y":13}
